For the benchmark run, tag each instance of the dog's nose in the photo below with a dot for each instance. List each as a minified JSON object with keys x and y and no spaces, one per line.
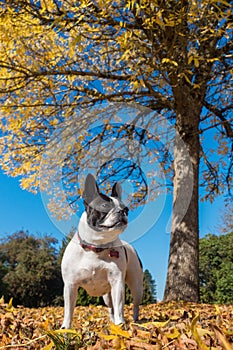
{"x":123,"y":211}
{"x":126,"y":210}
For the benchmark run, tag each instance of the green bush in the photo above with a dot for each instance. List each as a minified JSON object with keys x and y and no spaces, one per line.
{"x":216,"y":269}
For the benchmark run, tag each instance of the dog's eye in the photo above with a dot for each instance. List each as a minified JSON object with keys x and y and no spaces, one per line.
{"x":104,"y":205}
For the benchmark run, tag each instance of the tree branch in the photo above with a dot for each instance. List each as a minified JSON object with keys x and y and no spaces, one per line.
{"x":219,"y":113}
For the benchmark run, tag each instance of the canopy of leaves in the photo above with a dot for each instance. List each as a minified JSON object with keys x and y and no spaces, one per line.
{"x":216,"y":268}
{"x":59,"y":57}
{"x":31,"y":273}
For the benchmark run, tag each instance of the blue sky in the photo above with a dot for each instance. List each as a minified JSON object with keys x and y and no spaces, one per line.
{"x":23,"y":210}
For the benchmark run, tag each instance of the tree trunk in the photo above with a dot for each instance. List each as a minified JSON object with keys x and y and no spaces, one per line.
{"x":182,"y":277}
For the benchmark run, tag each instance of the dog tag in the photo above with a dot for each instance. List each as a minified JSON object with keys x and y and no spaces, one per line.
{"x":114,"y":254}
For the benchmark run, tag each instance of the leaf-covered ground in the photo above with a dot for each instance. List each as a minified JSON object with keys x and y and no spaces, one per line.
{"x":161,"y":326}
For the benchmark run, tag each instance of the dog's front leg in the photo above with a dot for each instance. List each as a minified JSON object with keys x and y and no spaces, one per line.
{"x":108,"y":302}
{"x":70,"y":298}
{"x":118,"y":300}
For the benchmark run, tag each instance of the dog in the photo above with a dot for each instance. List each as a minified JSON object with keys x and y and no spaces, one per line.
{"x":97,"y":260}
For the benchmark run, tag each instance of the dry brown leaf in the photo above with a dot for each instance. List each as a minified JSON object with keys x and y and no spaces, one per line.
{"x":161,"y":326}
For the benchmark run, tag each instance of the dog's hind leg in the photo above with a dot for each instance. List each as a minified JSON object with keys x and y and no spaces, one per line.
{"x":134,"y":278}
{"x":136,"y":289}
{"x":70,"y":298}
{"x":135,"y":284}
{"x":108,"y":302}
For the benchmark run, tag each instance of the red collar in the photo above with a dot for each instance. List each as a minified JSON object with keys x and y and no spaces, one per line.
{"x":88,"y":246}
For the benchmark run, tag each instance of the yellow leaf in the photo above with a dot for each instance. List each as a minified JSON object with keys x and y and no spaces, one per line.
{"x":212,"y":60}
{"x":107,"y":336}
{"x":217,"y":309}
{"x":190,"y":59}
{"x":167,"y":60}
{"x":155,"y":324}
{"x":65,"y":331}
{"x":10,"y":305}
{"x":173,"y":335}
{"x":118,"y":331}
{"x":161,"y":324}
{"x":196,"y":62}
{"x":195,"y":334}
{"x":118,"y":344}
{"x":2,"y":300}
{"x":187,"y":79}
{"x":49,"y":346}
{"x":53,"y":122}
{"x":201,"y":332}
{"x":222,"y":338}
{"x":46,"y":324}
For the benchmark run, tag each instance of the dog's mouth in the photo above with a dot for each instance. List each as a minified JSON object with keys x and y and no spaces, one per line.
{"x":117,"y":224}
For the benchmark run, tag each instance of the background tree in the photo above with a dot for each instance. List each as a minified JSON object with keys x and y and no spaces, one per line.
{"x":174,"y":57}
{"x":31,"y":274}
{"x":216,"y":268}
{"x":226,"y":225}
{"x":149,"y":288}
{"x":3,"y":286}
{"x":85,"y":299}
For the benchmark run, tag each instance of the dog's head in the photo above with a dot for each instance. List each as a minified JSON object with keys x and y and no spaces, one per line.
{"x":104,"y":213}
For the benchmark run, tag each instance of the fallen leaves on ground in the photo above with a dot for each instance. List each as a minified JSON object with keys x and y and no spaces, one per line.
{"x":161,"y":326}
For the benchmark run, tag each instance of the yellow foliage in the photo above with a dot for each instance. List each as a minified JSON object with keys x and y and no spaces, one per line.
{"x":117,"y":330}
{"x":53,"y":53}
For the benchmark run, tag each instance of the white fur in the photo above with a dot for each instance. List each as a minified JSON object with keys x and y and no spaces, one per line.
{"x":115,"y":201}
{"x":99,"y":273}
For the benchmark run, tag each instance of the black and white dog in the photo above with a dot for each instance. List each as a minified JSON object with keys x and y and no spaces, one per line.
{"x":97,"y":260}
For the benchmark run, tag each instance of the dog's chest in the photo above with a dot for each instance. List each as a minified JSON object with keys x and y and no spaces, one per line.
{"x":95,"y":272}
{"x":95,"y":277}
{"x":94,"y":281}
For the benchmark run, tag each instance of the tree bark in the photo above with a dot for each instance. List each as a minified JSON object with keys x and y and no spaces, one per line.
{"x":182,"y":277}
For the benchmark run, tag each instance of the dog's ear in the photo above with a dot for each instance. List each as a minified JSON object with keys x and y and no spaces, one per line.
{"x":91,"y":189}
{"x":116,"y":191}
